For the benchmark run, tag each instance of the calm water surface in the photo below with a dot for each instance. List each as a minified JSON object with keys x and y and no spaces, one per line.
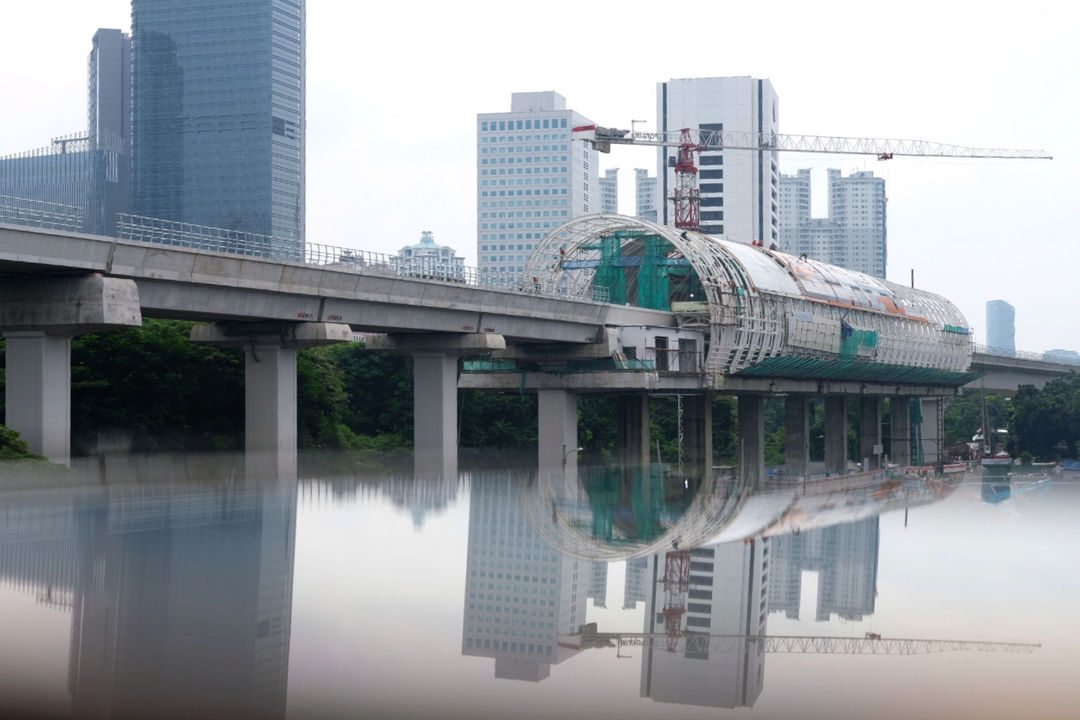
{"x":156,"y":587}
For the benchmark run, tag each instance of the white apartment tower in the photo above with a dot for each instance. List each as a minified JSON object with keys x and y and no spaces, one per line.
{"x":739,"y":188}
{"x":853,"y":235}
{"x":644,"y":195}
{"x":530,"y":178}
{"x":609,"y":192}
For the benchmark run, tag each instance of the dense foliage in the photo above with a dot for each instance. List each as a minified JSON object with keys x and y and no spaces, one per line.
{"x":154,"y":387}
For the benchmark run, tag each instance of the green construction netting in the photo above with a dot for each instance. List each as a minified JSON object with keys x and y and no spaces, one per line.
{"x":855,"y":370}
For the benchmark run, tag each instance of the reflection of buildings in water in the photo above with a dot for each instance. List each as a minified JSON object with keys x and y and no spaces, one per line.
{"x":180,"y":595}
{"x":520,"y":593}
{"x":598,"y":584}
{"x":845,"y":558}
{"x":728,"y":595}
{"x":637,"y":582}
{"x":421,"y":495}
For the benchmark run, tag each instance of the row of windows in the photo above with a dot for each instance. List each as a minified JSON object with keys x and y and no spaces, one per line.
{"x":527,"y":224}
{"x":531,"y":648}
{"x":526,"y":246}
{"x":524,"y":181}
{"x":527,"y":171}
{"x":537,"y":124}
{"x":526,"y":192}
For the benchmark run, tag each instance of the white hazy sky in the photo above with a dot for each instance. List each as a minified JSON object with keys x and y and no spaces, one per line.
{"x":394,"y":89}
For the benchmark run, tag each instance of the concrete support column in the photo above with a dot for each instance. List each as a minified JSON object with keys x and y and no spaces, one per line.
{"x":270,"y":409}
{"x":435,"y":414}
{"x":752,"y":440}
{"x":697,"y":435}
{"x":932,"y":430}
{"x":557,"y":432}
{"x":37,"y":392}
{"x":835,"y":435}
{"x":869,"y":430}
{"x":633,"y":411}
{"x":796,"y":436}
{"x":900,"y":430}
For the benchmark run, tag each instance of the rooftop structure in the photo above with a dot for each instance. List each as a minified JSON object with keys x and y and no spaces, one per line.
{"x":428,"y":259}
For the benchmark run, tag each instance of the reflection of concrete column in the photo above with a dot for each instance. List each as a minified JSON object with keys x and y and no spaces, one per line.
{"x":796,"y":435}
{"x":900,"y":430}
{"x":835,"y":435}
{"x":557,"y":431}
{"x":633,"y":412}
{"x":752,"y":440}
{"x":38,"y":392}
{"x":435,"y":413}
{"x":931,"y":429}
{"x":697,"y":434}
{"x":869,"y":429}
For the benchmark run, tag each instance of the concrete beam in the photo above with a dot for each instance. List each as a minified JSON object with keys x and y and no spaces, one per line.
{"x":287,"y":334}
{"x":459,"y":343}
{"x":68,"y":306}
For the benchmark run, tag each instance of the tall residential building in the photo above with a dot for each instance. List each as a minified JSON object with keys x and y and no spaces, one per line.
{"x":853,"y":235}
{"x":609,"y":192}
{"x":728,"y":595}
{"x":739,"y":188}
{"x":80,"y":181}
{"x":530,"y":178}
{"x":644,"y":195}
{"x":218,"y":115}
{"x":1000,"y":325}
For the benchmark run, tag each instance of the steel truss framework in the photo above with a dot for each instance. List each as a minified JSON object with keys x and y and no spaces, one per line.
{"x":757,"y":297}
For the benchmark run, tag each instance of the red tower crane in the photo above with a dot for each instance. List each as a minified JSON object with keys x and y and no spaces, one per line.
{"x":676,"y":586}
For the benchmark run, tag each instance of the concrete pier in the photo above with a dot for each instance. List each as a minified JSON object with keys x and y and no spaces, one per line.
{"x":38,"y":318}
{"x":633,"y":442}
{"x":697,"y":435}
{"x":752,"y":440}
{"x":870,"y":431}
{"x":270,"y":384}
{"x":796,"y":436}
{"x":900,"y":430}
{"x":931,"y":430}
{"x":836,"y":439}
{"x":557,"y":432}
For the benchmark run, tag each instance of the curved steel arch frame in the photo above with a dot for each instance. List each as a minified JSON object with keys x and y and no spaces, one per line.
{"x":757,"y":298}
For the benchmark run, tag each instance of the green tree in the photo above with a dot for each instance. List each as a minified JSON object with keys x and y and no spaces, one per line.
{"x":13,"y":447}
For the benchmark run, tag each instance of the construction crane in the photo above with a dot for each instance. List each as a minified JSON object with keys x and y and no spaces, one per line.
{"x":687,"y":199}
{"x":870,"y":644}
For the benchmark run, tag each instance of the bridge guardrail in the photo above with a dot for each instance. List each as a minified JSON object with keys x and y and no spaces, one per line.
{"x":1025,"y":355}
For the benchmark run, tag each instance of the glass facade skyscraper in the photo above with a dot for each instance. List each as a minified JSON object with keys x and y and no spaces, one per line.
{"x":218,"y":114}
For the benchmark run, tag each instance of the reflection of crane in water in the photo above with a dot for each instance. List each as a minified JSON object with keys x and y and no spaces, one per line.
{"x":871,"y":644}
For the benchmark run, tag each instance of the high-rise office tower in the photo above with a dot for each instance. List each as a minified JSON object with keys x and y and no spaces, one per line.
{"x":81,"y":180}
{"x":218,"y":115}
{"x":644,"y":195}
{"x":853,"y":235}
{"x":739,"y":188}
{"x":1000,"y":325}
{"x":609,"y":192}
{"x":530,"y":178}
